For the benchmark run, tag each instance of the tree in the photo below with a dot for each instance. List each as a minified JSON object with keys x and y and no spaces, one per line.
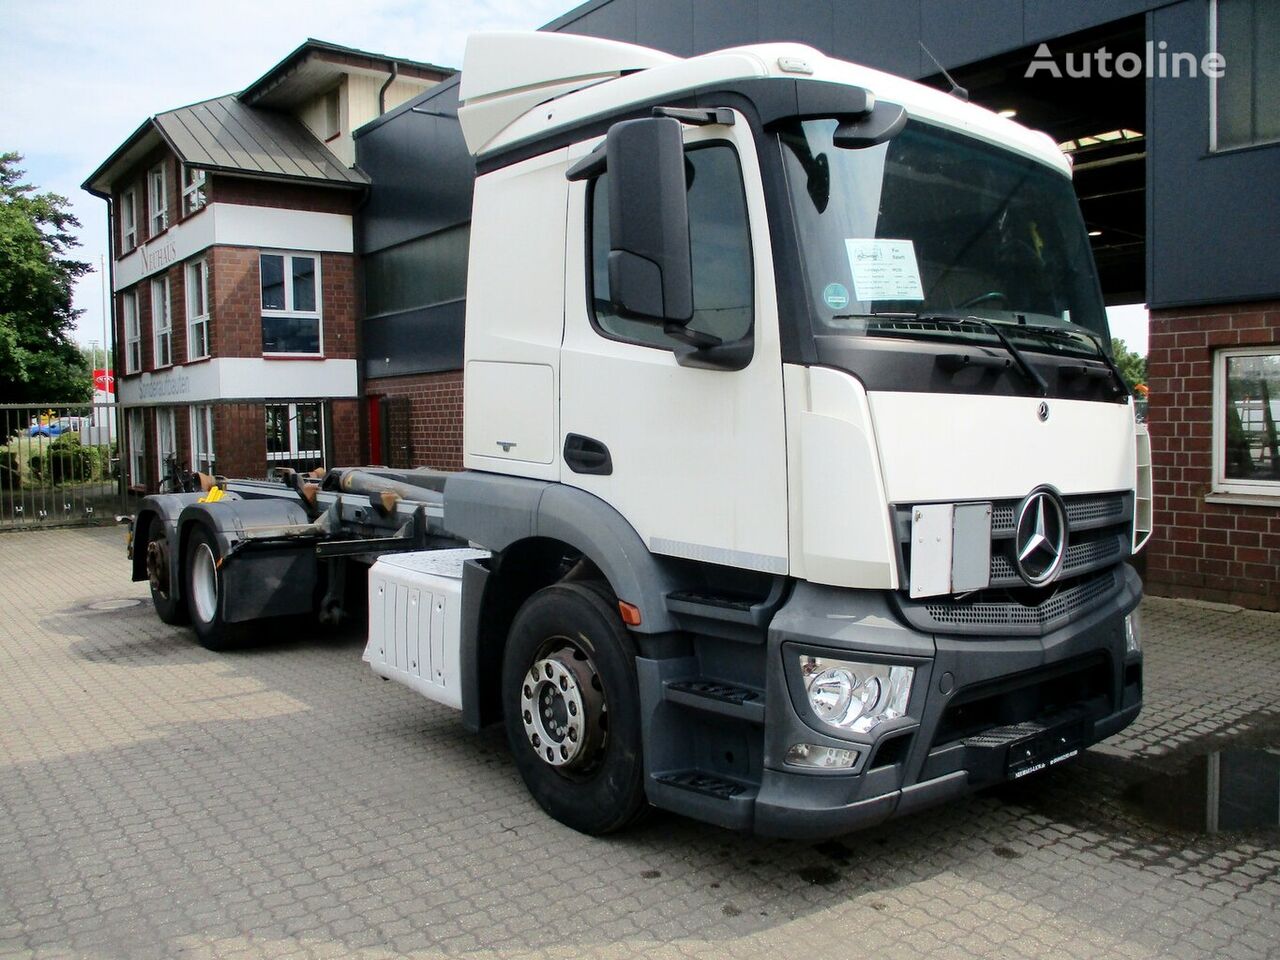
{"x":1132,"y":365}
{"x":38,"y":359}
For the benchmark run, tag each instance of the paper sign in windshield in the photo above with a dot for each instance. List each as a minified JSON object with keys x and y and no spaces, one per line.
{"x":884,"y":270}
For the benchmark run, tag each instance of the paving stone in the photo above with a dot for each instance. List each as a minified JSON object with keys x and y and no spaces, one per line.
{"x":158,"y":800}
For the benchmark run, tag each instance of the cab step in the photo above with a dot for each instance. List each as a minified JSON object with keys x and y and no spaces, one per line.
{"x":707,"y":796}
{"x":713,"y":696}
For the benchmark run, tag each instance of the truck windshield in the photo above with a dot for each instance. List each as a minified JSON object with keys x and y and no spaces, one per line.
{"x":935,"y":224}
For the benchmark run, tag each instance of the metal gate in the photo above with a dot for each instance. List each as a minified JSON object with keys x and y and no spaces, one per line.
{"x":60,"y":464}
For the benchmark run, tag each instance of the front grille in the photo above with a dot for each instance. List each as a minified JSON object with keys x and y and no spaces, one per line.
{"x":1098,"y":538}
{"x":1045,"y":615}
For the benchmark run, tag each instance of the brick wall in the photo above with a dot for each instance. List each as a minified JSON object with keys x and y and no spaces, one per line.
{"x":1211,"y":551}
{"x":265,"y":193}
{"x":435,"y":415}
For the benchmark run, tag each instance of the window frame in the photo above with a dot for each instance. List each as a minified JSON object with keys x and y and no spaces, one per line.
{"x":193,"y":196}
{"x":1214,"y":113}
{"x":136,"y":428}
{"x":291,"y":418}
{"x":332,"y":123}
{"x":128,"y":220}
{"x":288,"y":313}
{"x":157,"y":206}
{"x":1221,"y":483}
{"x":132,"y":332}
{"x":589,"y":253}
{"x":200,"y":269}
{"x":169,"y":415}
{"x":166,"y":314}
{"x":202,"y":460}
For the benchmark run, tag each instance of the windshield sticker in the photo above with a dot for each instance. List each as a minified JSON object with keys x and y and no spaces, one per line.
{"x":836,"y":296}
{"x":884,"y":270}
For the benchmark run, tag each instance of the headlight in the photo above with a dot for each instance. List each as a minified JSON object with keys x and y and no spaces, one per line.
{"x":855,"y":696}
{"x":1133,"y":633}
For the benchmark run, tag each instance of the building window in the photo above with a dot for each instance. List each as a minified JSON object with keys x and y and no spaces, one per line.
{"x":157,"y":199}
{"x":332,"y":116}
{"x":290,"y":303}
{"x":197,"y":310}
{"x":161,"y":322}
{"x":128,"y":220}
{"x":295,"y":435}
{"x":1246,"y":421}
{"x":202,"y":438}
{"x":719,"y":243}
{"x":132,"y":332}
{"x":137,"y":438}
{"x":193,"y":197}
{"x":1245,"y":107}
{"x":167,"y":447}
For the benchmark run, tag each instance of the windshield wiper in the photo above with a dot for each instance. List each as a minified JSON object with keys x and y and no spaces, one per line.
{"x":1024,"y":366}
{"x":1121,"y":385}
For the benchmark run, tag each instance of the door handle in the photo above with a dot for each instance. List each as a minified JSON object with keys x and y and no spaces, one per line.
{"x":585,"y":455}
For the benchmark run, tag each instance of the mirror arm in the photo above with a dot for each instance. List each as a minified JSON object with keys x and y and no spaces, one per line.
{"x":692,"y":338}
{"x":698,"y":118}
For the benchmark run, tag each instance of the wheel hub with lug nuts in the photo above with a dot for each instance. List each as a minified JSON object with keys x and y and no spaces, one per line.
{"x":563,"y":709}
{"x":158,"y":566}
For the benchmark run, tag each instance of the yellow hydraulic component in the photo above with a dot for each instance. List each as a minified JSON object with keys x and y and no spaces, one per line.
{"x":213,"y":496}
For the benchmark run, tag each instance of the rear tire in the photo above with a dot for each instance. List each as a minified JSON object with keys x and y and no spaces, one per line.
{"x":206,"y":593}
{"x":571,"y":708}
{"x":170,"y":609}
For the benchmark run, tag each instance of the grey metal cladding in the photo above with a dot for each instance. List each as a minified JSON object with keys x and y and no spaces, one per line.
{"x":225,"y":134}
{"x":496,"y":511}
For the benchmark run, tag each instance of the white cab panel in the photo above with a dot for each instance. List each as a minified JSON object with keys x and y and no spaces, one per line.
{"x":515,"y":318}
{"x":699,"y":456}
{"x":511,"y":409}
{"x":952,"y":447}
{"x":415,"y":605}
{"x":840,"y":531}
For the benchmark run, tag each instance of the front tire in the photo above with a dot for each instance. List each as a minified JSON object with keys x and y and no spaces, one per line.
{"x":206,"y":593}
{"x":572,"y":709}
{"x":169,"y":608}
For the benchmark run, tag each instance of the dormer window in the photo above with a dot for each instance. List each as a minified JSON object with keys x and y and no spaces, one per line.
{"x":193,"y":198}
{"x":332,"y":115}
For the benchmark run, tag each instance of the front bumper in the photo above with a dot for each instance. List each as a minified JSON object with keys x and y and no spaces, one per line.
{"x":981,"y":711}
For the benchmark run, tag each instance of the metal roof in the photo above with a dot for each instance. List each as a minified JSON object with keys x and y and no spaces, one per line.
{"x":224,"y":134}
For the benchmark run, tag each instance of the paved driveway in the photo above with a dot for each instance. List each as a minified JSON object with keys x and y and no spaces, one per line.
{"x":157,"y":800}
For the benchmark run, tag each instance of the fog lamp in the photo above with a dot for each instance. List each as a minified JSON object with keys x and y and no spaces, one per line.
{"x":855,"y":696}
{"x":813,"y":755}
{"x":1133,"y":633}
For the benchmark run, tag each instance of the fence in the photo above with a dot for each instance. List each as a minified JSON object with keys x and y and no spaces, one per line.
{"x":60,"y":464}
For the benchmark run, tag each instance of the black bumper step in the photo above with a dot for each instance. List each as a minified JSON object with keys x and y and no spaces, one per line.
{"x":707,"y":784}
{"x":713,"y":696}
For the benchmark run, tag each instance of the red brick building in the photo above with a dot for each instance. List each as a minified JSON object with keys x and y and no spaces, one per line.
{"x":235,"y":281}
{"x":1214,"y":373}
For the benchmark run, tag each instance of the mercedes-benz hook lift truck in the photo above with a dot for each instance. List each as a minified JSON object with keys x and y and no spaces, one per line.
{"x":799,"y":482}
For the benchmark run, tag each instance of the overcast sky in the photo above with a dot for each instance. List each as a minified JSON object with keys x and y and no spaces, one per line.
{"x":79,"y":76}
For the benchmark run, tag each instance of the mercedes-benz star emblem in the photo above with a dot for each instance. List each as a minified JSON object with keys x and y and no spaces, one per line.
{"x":1043,"y":411}
{"x":1040,"y":539}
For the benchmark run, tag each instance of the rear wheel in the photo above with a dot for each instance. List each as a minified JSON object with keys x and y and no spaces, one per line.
{"x":206,"y":593}
{"x":169,"y":608}
{"x":571,"y":708}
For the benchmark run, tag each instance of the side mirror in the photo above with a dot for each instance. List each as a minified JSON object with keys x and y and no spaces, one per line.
{"x":650,"y":265}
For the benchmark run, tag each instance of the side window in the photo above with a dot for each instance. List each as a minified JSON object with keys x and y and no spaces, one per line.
{"x":720,"y":243}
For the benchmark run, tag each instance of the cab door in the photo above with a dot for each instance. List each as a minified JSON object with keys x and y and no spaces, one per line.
{"x":694,"y":459}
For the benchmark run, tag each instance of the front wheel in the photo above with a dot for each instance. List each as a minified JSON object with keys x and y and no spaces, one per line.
{"x":206,"y":593}
{"x":572,"y":710}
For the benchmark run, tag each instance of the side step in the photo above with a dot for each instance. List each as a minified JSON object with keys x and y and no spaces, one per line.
{"x":729,"y":618}
{"x":706,"y":796}
{"x":712,"y":696}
